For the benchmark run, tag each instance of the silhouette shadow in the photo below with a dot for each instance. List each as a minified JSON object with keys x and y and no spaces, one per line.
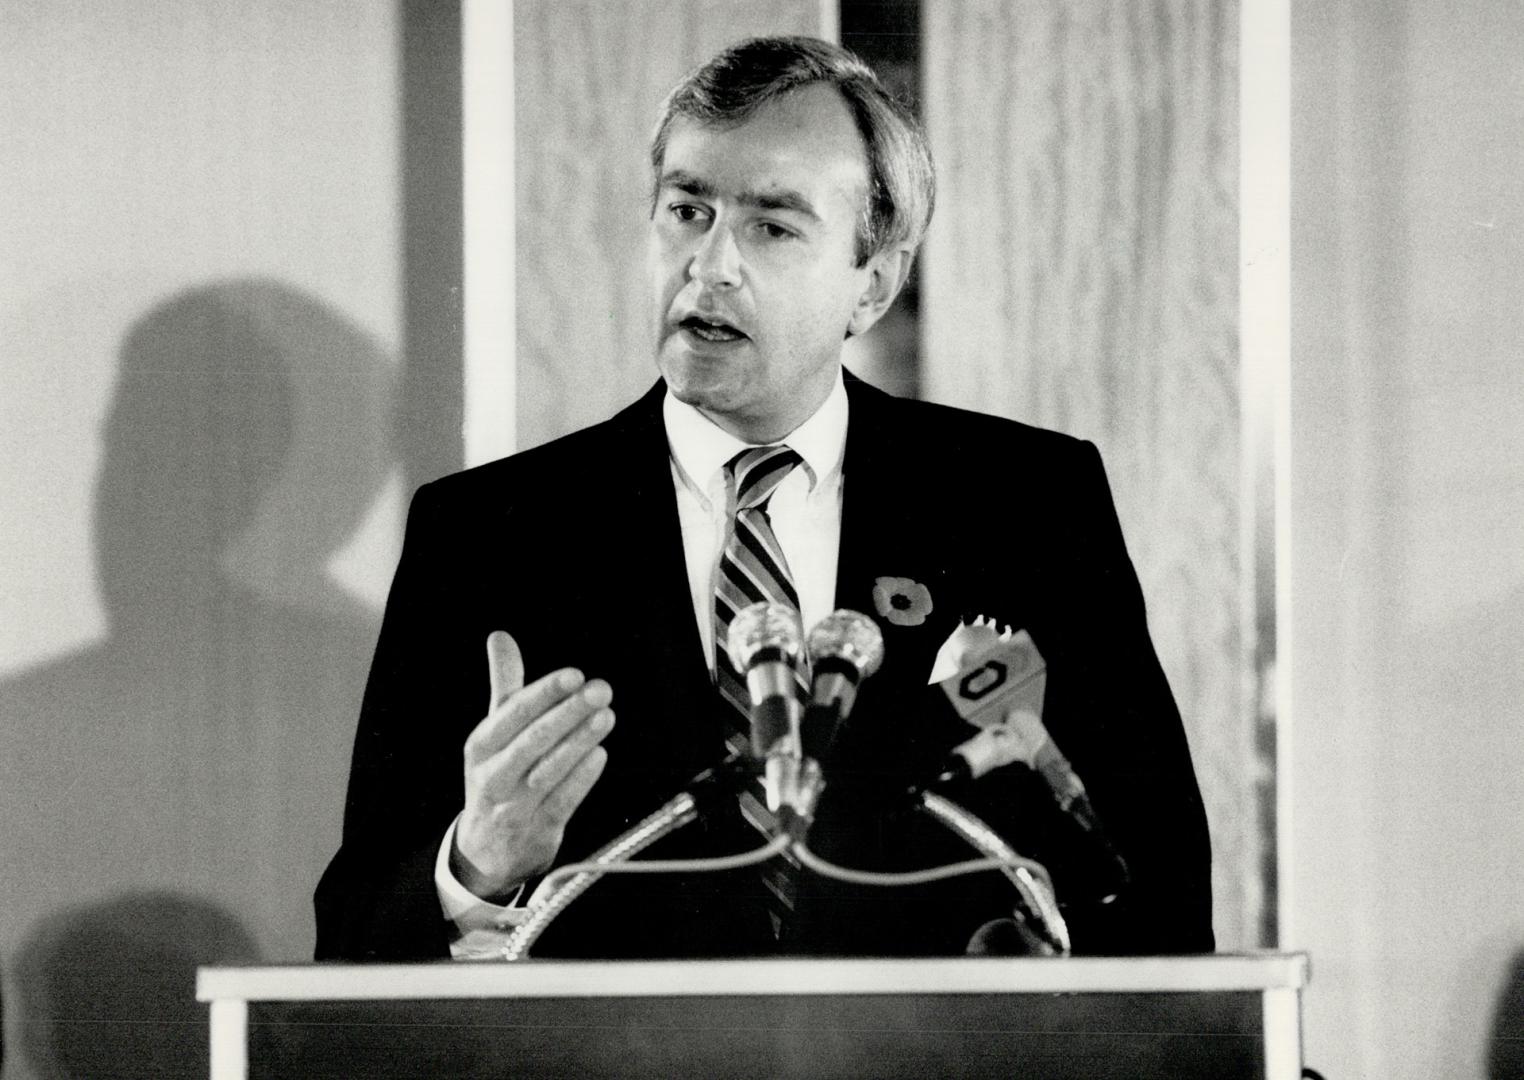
{"x":1505,"y":1047}
{"x":201,"y":749}
{"x":108,"y":989}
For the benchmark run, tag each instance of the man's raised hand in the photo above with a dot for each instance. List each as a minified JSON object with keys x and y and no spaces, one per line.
{"x":529,"y":764}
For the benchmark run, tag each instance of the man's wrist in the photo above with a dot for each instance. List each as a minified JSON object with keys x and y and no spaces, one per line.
{"x":478,"y":884}
{"x":478,"y":928}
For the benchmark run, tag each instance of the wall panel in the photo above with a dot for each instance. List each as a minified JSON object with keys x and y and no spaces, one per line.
{"x":588,"y":80}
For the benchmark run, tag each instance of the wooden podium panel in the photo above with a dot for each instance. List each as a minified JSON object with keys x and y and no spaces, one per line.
{"x":1211,"y":1017}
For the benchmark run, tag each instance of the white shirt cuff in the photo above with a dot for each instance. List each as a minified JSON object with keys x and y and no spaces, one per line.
{"x":480,"y":928}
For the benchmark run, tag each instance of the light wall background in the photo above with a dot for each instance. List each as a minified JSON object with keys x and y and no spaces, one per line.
{"x":1407,"y":553}
{"x":200,"y":320}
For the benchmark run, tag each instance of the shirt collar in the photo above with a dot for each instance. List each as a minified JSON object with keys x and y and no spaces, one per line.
{"x":701,"y":447}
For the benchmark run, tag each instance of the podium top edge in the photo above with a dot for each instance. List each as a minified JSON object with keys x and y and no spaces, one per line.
{"x":1244,"y":972}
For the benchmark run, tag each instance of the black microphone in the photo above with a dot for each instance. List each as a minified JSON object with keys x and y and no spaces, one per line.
{"x":763,"y":644}
{"x":1008,"y":937}
{"x":845,"y":648}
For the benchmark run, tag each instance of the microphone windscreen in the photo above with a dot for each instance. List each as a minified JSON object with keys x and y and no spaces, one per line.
{"x":1007,"y":937}
{"x":763,"y":626}
{"x":848,"y":637}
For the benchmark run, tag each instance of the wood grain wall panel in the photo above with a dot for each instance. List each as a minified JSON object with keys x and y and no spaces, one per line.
{"x":1082,"y":274}
{"x":588,"y":79}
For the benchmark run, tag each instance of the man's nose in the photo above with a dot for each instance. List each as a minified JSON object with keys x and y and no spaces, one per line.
{"x":717,"y":262}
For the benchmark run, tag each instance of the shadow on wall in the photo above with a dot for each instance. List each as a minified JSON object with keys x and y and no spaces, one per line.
{"x":109,"y":988}
{"x":1505,"y":1051}
{"x":202,"y":748}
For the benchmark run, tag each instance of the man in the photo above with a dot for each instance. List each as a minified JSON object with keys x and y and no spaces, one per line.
{"x":790,"y":195}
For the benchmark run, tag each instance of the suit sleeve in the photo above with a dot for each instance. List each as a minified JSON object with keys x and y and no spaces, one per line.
{"x":1111,"y":710}
{"x":377,"y":900}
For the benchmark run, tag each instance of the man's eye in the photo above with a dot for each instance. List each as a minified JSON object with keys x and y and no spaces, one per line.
{"x":773,"y":231}
{"x":686,"y":212}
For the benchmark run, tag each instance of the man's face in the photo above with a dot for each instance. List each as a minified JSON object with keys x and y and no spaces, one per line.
{"x":751,"y":259}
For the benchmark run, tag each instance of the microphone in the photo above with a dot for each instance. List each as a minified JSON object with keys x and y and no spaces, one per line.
{"x":845,"y":648}
{"x":1035,"y":748}
{"x":992,"y":748}
{"x":1000,"y":685}
{"x":999,"y":689}
{"x":1008,"y":937}
{"x":994,"y":674}
{"x":987,"y":675}
{"x":763,"y":645}
{"x":1023,"y":739}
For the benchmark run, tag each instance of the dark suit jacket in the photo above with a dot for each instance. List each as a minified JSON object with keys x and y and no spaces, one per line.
{"x":575,"y":549}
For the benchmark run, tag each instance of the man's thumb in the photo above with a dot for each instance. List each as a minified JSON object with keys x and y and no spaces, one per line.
{"x":505,"y":666}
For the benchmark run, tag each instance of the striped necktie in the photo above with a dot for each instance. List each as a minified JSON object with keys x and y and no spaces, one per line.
{"x":752,"y":569}
{"x":752,"y":566}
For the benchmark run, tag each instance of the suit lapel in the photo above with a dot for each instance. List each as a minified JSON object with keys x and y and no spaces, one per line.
{"x":891,"y":545}
{"x":662,"y":650}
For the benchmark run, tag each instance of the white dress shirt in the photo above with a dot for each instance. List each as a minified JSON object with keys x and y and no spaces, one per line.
{"x":805,"y":508}
{"x":805,"y":511}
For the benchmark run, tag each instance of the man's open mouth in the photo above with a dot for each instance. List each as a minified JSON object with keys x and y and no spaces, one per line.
{"x":705,"y":330}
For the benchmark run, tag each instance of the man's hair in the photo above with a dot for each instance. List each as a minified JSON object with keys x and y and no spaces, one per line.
{"x":728,"y":89}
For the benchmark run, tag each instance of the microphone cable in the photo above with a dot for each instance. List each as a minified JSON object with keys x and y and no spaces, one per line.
{"x":1033,"y":884}
{"x":776,"y":846}
{"x":564,"y":884}
{"x":825,"y":868}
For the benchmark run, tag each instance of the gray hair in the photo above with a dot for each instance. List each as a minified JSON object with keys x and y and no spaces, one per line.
{"x":729,"y":88}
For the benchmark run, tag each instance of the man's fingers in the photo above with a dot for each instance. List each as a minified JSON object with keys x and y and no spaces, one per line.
{"x":504,"y":723}
{"x":536,"y":738}
{"x":509,"y":750}
{"x":562,"y":758}
{"x":505,"y":667}
{"x":566,"y":796}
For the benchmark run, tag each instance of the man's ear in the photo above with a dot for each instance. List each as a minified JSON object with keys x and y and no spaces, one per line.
{"x":887,"y":272}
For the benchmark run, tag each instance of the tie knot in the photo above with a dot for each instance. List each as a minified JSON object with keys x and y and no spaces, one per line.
{"x":758,"y":472}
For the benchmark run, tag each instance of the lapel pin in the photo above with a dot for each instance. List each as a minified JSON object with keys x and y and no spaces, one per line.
{"x":902,"y":601}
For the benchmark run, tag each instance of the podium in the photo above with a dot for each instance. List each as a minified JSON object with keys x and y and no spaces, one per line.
{"x":1218,"y":1016}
